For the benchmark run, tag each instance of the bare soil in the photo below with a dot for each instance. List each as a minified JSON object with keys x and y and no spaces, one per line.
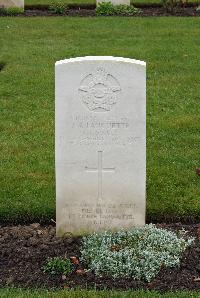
{"x":146,"y":11}
{"x":25,"y":249}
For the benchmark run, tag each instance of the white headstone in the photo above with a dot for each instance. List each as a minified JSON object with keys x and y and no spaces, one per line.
{"x":12,"y":3}
{"x":115,"y":2}
{"x":100,"y":144}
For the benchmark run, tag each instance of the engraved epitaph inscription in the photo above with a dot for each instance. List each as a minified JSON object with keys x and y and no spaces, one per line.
{"x":99,"y":90}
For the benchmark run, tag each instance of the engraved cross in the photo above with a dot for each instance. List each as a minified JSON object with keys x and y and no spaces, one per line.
{"x":100,"y":170}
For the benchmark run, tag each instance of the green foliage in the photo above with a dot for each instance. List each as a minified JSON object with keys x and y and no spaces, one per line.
{"x":172,"y":5}
{"x":11,"y":11}
{"x":58,"y":265}
{"x":126,"y":10}
{"x":105,"y":8}
{"x":58,"y":8}
{"x":108,"y":9}
{"x":139,"y":253}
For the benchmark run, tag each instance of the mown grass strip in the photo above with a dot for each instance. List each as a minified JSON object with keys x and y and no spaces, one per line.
{"x":20,"y":293}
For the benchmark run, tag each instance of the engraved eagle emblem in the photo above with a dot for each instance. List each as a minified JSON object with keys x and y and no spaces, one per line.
{"x":99,"y":90}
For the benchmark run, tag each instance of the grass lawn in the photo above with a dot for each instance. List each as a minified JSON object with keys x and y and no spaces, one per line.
{"x":30,"y":47}
{"x":31,"y":2}
{"x":19,"y":293}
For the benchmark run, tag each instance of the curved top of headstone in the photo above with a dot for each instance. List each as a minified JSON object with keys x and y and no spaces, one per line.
{"x":101,"y":58}
{"x":12,"y":3}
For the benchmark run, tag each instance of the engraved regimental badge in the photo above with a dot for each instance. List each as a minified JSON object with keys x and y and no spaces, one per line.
{"x":99,"y":91}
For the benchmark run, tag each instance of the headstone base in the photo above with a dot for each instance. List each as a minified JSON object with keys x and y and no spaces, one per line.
{"x":115,"y":2}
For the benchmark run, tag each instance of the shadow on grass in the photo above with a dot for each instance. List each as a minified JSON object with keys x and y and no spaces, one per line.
{"x":2,"y":65}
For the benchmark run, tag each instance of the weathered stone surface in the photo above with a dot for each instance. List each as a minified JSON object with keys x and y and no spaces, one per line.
{"x":100,"y":144}
{"x":115,"y":2}
{"x":12,"y":3}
